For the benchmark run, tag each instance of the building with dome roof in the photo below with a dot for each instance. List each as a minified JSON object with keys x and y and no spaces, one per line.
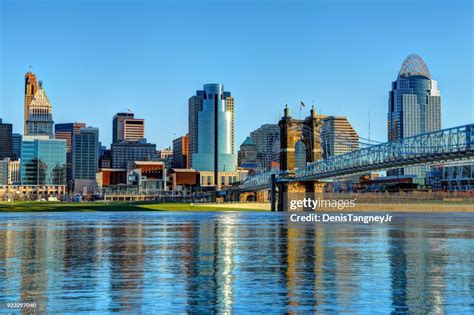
{"x":414,"y":107}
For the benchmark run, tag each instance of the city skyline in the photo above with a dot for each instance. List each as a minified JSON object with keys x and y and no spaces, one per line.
{"x":291,"y":74}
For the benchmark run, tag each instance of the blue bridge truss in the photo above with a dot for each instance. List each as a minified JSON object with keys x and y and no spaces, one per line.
{"x":450,"y":144}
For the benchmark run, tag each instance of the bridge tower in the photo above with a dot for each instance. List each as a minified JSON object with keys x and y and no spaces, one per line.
{"x":295,"y":133}
{"x":300,"y":142}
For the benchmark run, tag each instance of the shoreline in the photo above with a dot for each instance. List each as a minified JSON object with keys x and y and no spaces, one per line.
{"x":378,"y":207}
{"x":244,"y":207}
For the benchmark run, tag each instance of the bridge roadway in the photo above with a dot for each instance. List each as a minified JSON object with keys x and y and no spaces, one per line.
{"x":444,"y":145}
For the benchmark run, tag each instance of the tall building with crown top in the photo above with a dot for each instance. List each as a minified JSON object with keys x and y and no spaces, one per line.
{"x":40,"y":114}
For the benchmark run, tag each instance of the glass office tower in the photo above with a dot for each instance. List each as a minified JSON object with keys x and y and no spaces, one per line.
{"x":215,"y":131}
{"x":414,"y":107}
{"x":85,"y":156}
{"x":43,"y":161}
{"x":16,"y":145}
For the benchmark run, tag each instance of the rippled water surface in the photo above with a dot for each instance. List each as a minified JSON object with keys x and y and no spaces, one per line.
{"x":144,"y":262}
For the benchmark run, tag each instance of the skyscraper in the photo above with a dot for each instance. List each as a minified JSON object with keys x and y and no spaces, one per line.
{"x":5,"y":140}
{"x":214,"y":144}
{"x":180,"y":152}
{"x":66,"y":132}
{"x":16,"y":145}
{"x":127,"y":128}
{"x":414,"y":106}
{"x":85,"y":156}
{"x":85,"y":147}
{"x":338,"y":136}
{"x":30,"y":90}
{"x":194,"y":107}
{"x":40,"y":114}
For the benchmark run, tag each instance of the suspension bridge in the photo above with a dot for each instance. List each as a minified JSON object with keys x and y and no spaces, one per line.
{"x":444,"y":145}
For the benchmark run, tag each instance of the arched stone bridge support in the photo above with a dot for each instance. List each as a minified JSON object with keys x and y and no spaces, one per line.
{"x":254,"y":196}
{"x":289,"y":193}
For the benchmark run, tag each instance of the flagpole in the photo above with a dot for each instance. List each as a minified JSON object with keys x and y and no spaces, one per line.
{"x":301,"y":105}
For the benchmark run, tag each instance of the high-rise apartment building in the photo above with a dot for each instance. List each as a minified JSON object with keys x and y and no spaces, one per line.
{"x":180,"y":152}
{"x":338,"y":136}
{"x":267,"y":141}
{"x":213,"y":131}
{"x":40,"y":114}
{"x":85,"y":147}
{"x":414,"y":107}
{"x":127,"y":128}
{"x":66,"y":131}
{"x":6,"y":147}
{"x":43,"y":161}
{"x":31,"y":86}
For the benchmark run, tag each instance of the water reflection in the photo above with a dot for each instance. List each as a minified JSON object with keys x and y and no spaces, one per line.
{"x":235,"y":262}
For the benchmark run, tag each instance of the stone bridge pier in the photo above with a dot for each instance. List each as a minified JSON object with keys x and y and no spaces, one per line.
{"x":254,"y":196}
{"x":290,"y":193}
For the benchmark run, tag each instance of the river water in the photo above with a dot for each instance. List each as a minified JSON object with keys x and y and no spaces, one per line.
{"x":235,"y":262}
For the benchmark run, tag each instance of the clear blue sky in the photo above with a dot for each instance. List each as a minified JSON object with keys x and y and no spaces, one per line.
{"x":100,"y":57}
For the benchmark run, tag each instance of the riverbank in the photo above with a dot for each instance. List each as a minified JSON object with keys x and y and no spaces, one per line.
{"x":121,"y":206}
{"x":375,"y":207}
